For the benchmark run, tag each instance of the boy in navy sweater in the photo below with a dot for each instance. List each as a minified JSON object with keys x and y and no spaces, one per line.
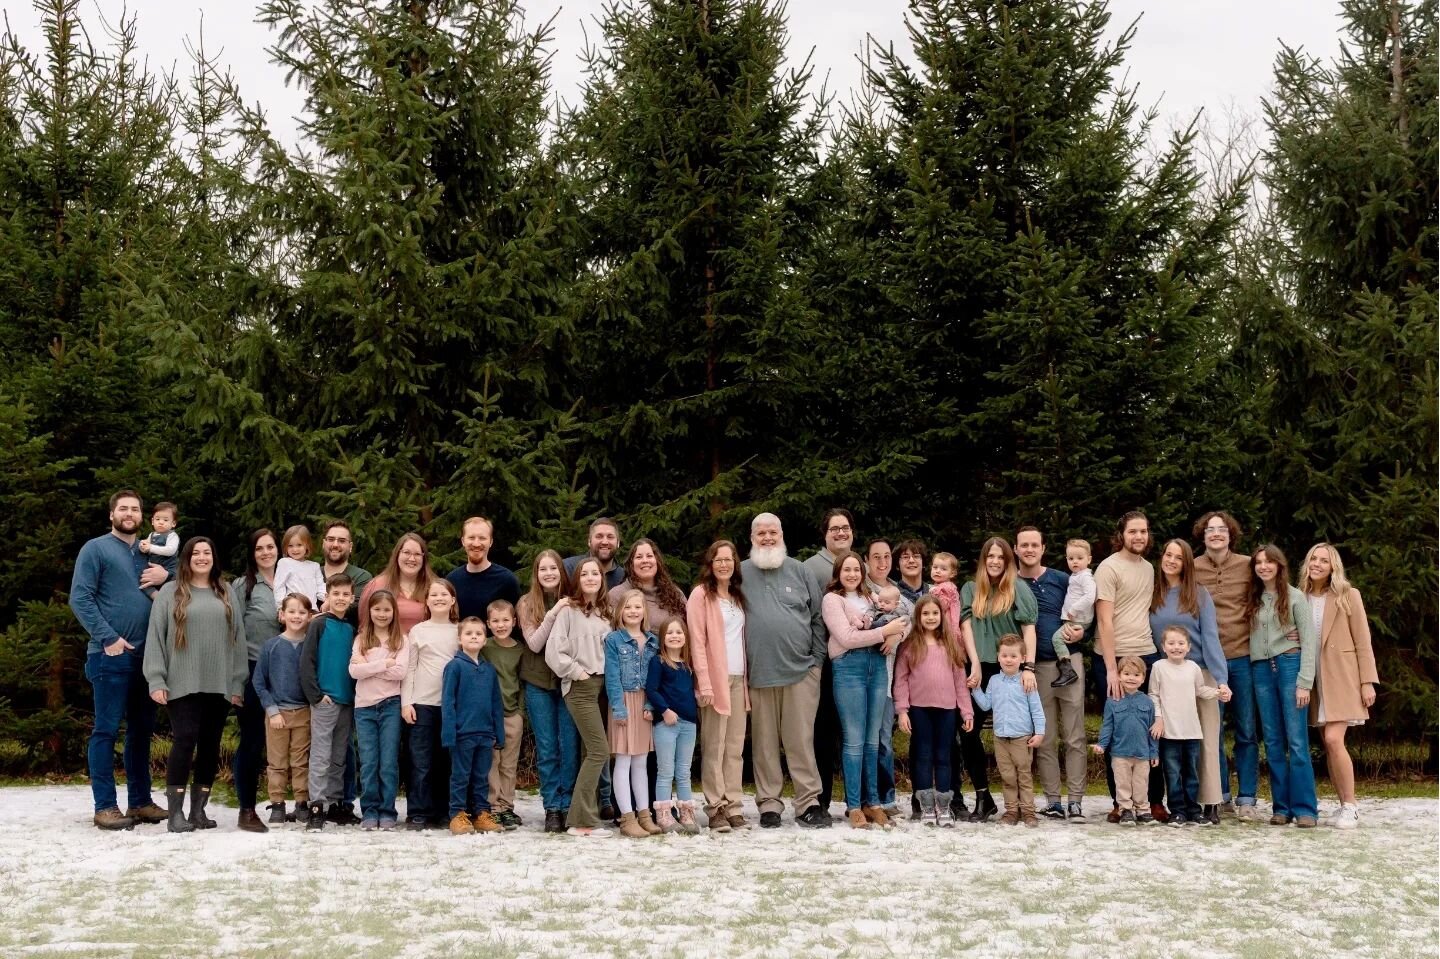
{"x":1125,"y":732}
{"x":287,"y":711}
{"x":325,"y":676}
{"x":472,"y":726}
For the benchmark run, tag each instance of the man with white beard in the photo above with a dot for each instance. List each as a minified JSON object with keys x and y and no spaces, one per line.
{"x":784,"y":648}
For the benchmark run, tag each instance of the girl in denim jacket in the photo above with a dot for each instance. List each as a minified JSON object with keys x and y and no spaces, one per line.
{"x":628,"y":651}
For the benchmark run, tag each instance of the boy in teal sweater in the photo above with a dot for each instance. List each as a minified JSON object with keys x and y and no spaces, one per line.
{"x":325,"y":677}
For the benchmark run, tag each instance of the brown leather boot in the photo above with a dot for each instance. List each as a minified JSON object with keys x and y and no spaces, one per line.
{"x":857,"y":819}
{"x":876,"y":815}
{"x":484,"y":822}
{"x":113,"y":820}
{"x":630,"y":828}
{"x":647,"y":822}
{"x":249,"y":822}
{"x":148,"y":813}
{"x":460,"y":824}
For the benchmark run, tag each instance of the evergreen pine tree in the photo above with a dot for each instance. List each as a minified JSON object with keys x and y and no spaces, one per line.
{"x":1349,"y":357}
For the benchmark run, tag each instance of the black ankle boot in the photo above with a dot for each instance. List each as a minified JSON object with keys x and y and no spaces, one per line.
{"x":984,"y":806}
{"x":958,"y":810}
{"x":1067,"y":675}
{"x":175,"y":799}
{"x":199,"y":796}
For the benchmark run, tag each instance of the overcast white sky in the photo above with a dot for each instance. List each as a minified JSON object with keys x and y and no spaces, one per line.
{"x":1214,"y":54}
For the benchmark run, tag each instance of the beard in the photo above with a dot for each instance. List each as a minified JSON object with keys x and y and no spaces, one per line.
{"x":337,"y":556}
{"x":768,"y":557}
{"x":125,"y":525}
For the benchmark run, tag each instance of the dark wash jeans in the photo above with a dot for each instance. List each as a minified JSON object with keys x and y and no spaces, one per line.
{"x":1180,"y":759}
{"x":249,"y":761}
{"x":121,"y":695}
{"x":428,"y":795}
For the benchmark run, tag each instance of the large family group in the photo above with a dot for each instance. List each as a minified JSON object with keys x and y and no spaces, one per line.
{"x":343,"y":681}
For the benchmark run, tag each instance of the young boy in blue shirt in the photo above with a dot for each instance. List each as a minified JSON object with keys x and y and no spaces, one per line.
{"x":1019,"y":726}
{"x":472,"y":727}
{"x":1125,"y":732}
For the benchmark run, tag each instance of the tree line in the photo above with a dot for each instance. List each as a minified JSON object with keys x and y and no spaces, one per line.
{"x":974,"y":296}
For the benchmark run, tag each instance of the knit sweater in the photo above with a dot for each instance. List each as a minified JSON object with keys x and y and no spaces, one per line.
{"x":1270,"y":638}
{"x":785,"y":635}
{"x":432,"y":646}
{"x":935,"y":683}
{"x":277,"y":675}
{"x":671,"y":687}
{"x":1175,"y":689}
{"x":845,"y":628}
{"x":374,"y":681}
{"x":213,"y":660}
{"x":325,"y":660}
{"x":1200,"y":626}
{"x":576,"y":647}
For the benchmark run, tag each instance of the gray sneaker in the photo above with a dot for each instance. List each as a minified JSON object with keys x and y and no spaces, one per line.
{"x":1073,"y":813}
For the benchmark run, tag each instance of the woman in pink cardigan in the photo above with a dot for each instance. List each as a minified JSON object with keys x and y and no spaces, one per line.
{"x":715,"y":614}
{"x":862,"y":684}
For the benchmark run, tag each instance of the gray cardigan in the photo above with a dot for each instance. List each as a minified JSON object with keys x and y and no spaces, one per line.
{"x":214,"y":659}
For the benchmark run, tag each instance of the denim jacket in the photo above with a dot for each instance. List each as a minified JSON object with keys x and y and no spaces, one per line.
{"x":626,"y":667}
{"x":1125,"y":730}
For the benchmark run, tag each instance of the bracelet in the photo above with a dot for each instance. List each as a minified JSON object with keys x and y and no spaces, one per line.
{"x":1027,"y":667}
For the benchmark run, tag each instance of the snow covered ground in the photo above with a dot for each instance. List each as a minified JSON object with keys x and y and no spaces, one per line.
{"x":1245,"y":890}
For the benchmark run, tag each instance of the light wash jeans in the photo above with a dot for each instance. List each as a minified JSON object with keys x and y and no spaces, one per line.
{"x":1287,"y":740}
{"x":674,"y":749}
{"x":860,"y":696}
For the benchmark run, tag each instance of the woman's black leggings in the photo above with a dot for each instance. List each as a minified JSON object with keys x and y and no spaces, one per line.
{"x":196,"y":722}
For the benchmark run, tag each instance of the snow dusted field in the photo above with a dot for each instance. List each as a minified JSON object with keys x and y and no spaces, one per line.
{"x":67,"y":889}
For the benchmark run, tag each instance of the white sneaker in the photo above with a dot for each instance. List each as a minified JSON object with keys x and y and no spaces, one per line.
{"x":1348,"y":817}
{"x":597,"y":832}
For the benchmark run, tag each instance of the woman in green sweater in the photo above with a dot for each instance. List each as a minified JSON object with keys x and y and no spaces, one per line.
{"x":196,"y":666}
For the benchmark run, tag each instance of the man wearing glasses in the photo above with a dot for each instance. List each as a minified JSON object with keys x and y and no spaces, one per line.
{"x":337,"y":543}
{"x":838,"y":529}
{"x":1226,"y":574}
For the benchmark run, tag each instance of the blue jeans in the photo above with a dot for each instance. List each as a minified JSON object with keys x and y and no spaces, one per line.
{"x":1181,"y":761}
{"x":932,"y":734}
{"x":427,"y":795}
{"x":674,"y":750}
{"x":470,"y":760}
{"x":557,"y":746}
{"x":859,"y":681}
{"x":377,"y":728}
{"x":121,"y":695}
{"x":887,"y":754}
{"x":1239,"y":715}
{"x":1287,"y":740}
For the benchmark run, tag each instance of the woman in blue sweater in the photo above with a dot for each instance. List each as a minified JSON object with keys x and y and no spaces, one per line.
{"x":670,"y":688}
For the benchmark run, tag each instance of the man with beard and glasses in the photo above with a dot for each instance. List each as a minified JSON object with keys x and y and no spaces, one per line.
{"x":337,"y":543}
{"x":604,"y":545}
{"x":107,"y":595}
{"x":785,"y":646}
{"x":837,"y":527}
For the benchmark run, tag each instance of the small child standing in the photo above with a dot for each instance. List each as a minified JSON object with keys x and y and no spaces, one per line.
{"x":377,"y":664}
{"x":930,"y":693}
{"x":433,"y":643}
{"x":1176,"y":686}
{"x":297,"y":572}
{"x":472,"y":725}
{"x":629,"y":648}
{"x":503,"y":652}
{"x":287,"y":727}
{"x":163,"y":543}
{"x":325,"y":675}
{"x":1019,"y":724}
{"x":1125,"y":732}
{"x":1077,"y":610}
{"x":670,"y":687}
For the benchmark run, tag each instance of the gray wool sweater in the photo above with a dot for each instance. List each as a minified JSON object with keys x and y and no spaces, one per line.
{"x":214,"y":659}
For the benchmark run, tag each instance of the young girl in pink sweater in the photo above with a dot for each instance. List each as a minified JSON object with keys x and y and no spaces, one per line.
{"x":931,"y":696}
{"x":377,"y":664}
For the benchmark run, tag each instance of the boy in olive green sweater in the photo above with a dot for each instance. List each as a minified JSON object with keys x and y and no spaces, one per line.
{"x":503,"y":652}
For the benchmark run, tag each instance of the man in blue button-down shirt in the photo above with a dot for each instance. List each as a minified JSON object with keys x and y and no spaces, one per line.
{"x":107,"y":596}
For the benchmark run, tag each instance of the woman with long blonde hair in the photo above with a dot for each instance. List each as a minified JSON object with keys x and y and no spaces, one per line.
{"x":1346,"y":676}
{"x":994,"y":603}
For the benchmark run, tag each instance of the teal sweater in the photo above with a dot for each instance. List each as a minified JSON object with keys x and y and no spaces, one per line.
{"x":325,"y":661}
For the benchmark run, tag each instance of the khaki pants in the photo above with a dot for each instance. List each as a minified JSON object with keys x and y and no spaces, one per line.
{"x":784,"y":717}
{"x":722,"y":752}
{"x":1210,"y":746}
{"x":1064,"y":723}
{"x":1013,"y":758}
{"x":287,"y":750}
{"x":507,"y":762}
{"x":1132,"y":783}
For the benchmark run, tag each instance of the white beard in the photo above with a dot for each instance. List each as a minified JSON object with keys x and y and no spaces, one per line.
{"x":768,"y":557}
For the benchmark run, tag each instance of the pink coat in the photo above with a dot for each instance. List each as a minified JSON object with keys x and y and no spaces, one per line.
{"x":707,"y":650}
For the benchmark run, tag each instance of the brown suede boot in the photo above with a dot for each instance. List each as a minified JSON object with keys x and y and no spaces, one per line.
{"x":876,"y":815}
{"x":631,"y":829}
{"x":148,"y":813}
{"x":484,"y":822}
{"x":1011,"y":817}
{"x":647,"y":823}
{"x":460,"y":825}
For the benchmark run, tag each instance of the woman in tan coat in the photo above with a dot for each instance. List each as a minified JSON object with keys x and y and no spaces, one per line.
{"x":1346,"y":678}
{"x":716,"y":617}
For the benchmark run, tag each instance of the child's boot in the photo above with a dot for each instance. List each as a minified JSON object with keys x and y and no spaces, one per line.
{"x":1067,"y":675}
{"x":315,"y":821}
{"x":302,"y":810}
{"x":926,"y":799}
{"x":688,"y":825}
{"x":647,"y":823}
{"x":984,"y":806}
{"x":631,"y":829}
{"x":942,"y":809}
{"x":175,"y":799}
{"x":959,"y":812}
{"x":665,"y":816}
{"x":199,"y":796}
{"x":277,"y":813}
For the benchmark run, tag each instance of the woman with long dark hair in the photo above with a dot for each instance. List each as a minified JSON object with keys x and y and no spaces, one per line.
{"x":715,"y":615}
{"x":252,"y":597}
{"x":557,"y":744}
{"x":195,"y":665}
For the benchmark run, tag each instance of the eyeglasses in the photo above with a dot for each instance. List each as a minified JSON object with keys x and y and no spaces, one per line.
{"x":1216,"y":529}
{"x":838,"y":529}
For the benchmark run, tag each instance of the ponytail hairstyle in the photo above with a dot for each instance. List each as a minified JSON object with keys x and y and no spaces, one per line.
{"x":215,"y":580}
